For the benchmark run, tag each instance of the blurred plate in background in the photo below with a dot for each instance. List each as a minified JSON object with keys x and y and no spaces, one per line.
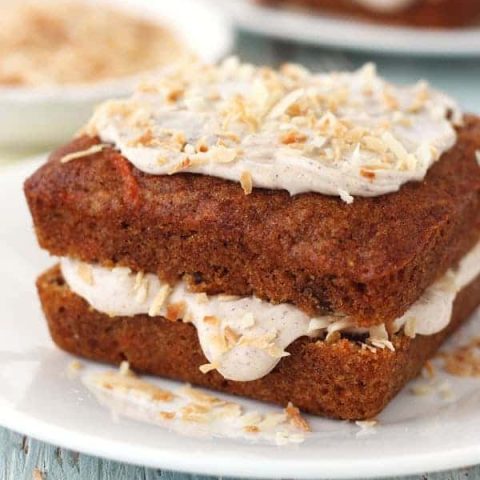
{"x":334,"y":31}
{"x":39,"y":118}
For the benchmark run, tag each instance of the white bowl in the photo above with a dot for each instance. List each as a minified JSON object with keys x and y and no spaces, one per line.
{"x":38,"y":118}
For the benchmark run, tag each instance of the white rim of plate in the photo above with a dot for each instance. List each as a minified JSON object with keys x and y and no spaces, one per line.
{"x":334,"y":31}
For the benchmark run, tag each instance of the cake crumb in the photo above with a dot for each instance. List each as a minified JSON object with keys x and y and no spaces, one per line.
{"x":74,"y":367}
{"x":37,"y":474}
{"x":429,"y":370}
{"x":176,"y":311}
{"x":463,"y":361}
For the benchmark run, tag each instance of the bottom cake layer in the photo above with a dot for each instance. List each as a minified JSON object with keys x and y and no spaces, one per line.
{"x":339,"y":380}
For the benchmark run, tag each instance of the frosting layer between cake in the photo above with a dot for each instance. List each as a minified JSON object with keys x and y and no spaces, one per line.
{"x":245,"y":337}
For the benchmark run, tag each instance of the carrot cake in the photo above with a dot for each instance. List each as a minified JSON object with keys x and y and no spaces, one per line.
{"x":416,"y":13}
{"x":277,"y":234}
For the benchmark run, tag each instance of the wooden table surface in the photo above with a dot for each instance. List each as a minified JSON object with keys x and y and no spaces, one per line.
{"x":24,"y":458}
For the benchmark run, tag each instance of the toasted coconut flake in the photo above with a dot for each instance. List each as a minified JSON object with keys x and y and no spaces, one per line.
{"x":395,"y":147}
{"x":176,"y":311}
{"x":201,"y":298}
{"x":477,"y":157}
{"x":251,"y":418}
{"x":374,"y":144}
{"x":379,"y":337}
{"x":211,"y":320}
{"x":141,"y":287}
{"x":368,"y":174}
{"x":194,"y":413}
{"x":251,"y":429}
{"x":207,"y":367}
{"x":84,"y":153}
{"x":227,"y":298}
{"x":334,"y":329}
{"x":318,"y":324}
{"x":167,"y":415}
{"x":132,"y":385}
{"x":277,"y":352}
{"x":85,"y":272}
{"x":293,"y":137}
{"x":231,"y":336}
{"x":201,"y":398}
{"x":365,"y":346}
{"x":366,"y":424}
{"x":159,"y":300}
{"x":247,"y":321}
{"x":124,"y":369}
{"x":272,"y":420}
{"x":463,"y":361}
{"x":293,"y":414}
{"x":246,"y":182}
{"x":422,"y":390}
{"x":345,"y":196}
{"x":410,"y":327}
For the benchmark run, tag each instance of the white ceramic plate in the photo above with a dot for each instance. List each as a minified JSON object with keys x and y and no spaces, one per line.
{"x":35,"y":118}
{"x":415,"y":434}
{"x":335,"y":31}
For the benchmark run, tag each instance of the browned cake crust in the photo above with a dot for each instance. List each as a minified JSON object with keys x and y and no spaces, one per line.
{"x":371,"y":259}
{"x":339,"y":380}
{"x":425,"y":13}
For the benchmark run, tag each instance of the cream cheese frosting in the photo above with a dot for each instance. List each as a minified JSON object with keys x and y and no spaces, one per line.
{"x":432,"y":312}
{"x":244,"y":337}
{"x":342,"y":134}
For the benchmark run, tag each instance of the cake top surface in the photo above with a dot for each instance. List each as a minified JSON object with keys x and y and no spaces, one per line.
{"x":338,"y":133}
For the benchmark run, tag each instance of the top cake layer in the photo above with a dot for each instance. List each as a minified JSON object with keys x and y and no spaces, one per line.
{"x":370,"y":260}
{"x":341,"y":134}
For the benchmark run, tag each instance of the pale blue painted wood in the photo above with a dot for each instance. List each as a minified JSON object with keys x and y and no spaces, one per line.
{"x":19,"y":456}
